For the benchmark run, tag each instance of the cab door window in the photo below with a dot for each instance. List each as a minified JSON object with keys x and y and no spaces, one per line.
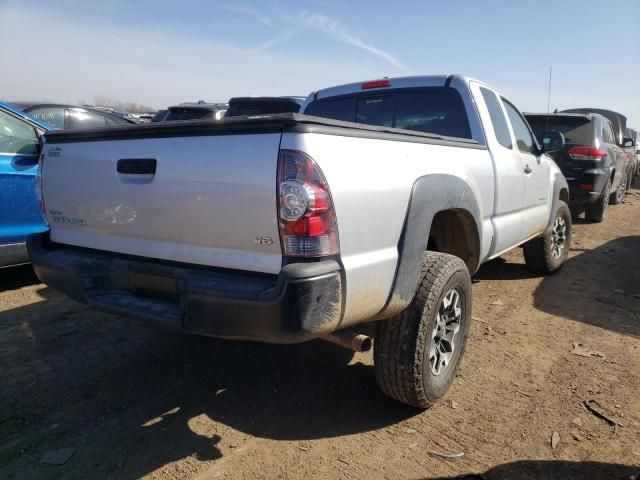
{"x":524,"y":137}
{"x":16,"y":136}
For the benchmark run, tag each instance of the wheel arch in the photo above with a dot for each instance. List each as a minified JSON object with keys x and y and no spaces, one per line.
{"x":443,"y":213}
{"x":560,"y":193}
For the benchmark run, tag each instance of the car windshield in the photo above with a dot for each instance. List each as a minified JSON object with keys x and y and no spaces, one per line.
{"x":576,"y":130}
{"x":430,"y":110}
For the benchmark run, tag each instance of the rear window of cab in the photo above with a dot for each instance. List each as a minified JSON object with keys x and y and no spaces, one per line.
{"x":437,"y":110}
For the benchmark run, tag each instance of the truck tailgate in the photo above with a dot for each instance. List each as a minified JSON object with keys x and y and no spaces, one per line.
{"x":206,"y":200}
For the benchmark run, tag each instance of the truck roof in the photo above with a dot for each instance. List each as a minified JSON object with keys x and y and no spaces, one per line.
{"x":562,"y":115}
{"x":395,"y":82}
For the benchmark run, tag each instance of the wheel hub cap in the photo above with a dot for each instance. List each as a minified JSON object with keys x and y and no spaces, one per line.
{"x":445,"y":331}
{"x":558,"y":237}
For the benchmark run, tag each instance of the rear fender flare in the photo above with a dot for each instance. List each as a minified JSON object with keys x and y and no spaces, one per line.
{"x":430,"y":194}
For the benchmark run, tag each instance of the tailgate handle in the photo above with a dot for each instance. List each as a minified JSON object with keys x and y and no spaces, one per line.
{"x":137,"y":166}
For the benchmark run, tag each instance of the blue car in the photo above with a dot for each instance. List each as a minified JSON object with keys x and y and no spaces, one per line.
{"x":19,"y":207}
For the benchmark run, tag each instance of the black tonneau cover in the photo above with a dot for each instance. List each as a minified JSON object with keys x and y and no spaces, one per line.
{"x":283,"y":122}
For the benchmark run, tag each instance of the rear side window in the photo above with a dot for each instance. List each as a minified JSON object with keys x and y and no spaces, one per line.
{"x":431,"y":110}
{"x":53,"y":116}
{"x":576,"y":130}
{"x":607,"y":136}
{"x":613,"y":138}
{"x":497,"y":118}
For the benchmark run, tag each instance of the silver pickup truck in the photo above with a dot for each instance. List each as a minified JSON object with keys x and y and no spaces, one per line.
{"x":367,"y":213}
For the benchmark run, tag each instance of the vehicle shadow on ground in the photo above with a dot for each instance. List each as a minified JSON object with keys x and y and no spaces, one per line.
{"x":501,"y":269}
{"x":12,"y":278}
{"x":597,"y":287}
{"x":553,"y":470}
{"x":588,"y":287}
{"x":132,"y":398}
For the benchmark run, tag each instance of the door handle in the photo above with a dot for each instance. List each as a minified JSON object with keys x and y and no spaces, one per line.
{"x":527,"y":169}
{"x":137,"y":166}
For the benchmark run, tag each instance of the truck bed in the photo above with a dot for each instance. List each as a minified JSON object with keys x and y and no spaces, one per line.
{"x":277,"y":123}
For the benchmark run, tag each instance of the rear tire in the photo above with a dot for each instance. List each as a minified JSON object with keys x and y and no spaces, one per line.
{"x":596,"y":212}
{"x":547,"y":253}
{"x":618,"y":195}
{"x":417,"y":353}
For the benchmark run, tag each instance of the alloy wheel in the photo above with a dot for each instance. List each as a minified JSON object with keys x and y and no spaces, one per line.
{"x":444,"y":333}
{"x":558,"y":237}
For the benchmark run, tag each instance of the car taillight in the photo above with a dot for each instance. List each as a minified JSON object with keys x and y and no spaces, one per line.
{"x":586,"y":153}
{"x":307,"y":219}
{"x":39,"y":194}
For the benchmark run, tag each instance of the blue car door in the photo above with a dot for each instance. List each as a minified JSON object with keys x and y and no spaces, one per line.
{"x":19,"y":207}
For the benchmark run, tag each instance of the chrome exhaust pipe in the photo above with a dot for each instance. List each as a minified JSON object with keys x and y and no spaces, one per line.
{"x":349,"y":340}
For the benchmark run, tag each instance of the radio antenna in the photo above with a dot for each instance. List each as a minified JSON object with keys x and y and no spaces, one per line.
{"x":549,"y":93}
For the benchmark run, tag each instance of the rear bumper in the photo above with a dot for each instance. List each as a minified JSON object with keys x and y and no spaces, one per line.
{"x":597,"y":178}
{"x":13,"y":254}
{"x":304,"y":301}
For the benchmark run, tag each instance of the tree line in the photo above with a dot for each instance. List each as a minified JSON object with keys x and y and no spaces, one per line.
{"x":129,"y":107}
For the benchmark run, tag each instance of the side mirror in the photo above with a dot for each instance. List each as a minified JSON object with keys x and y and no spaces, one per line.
{"x":627,"y":142}
{"x":552,"y":142}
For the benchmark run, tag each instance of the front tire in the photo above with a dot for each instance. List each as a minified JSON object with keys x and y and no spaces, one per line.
{"x":596,"y":212}
{"x":417,"y":353}
{"x":547,"y":253}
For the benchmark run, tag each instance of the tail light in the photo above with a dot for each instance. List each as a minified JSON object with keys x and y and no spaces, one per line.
{"x":39,"y":194}
{"x":307,"y":219}
{"x":586,"y":153}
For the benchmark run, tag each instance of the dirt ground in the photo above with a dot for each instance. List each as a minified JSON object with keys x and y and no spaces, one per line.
{"x":128,"y":400}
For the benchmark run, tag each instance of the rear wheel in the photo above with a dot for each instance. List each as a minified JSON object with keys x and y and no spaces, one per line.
{"x":417,"y":353}
{"x":547,"y":253}
{"x":596,"y":212}
{"x":618,"y":195}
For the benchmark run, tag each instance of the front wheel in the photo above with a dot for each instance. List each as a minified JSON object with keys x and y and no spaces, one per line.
{"x":417,"y":353}
{"x":547,"y":253}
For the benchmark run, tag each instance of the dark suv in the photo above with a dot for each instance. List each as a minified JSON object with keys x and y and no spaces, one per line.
{"x":619,"y":123}
{"x":591,"y":160}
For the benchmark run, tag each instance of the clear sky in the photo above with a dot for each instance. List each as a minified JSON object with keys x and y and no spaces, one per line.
{"x":161,"y":52}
